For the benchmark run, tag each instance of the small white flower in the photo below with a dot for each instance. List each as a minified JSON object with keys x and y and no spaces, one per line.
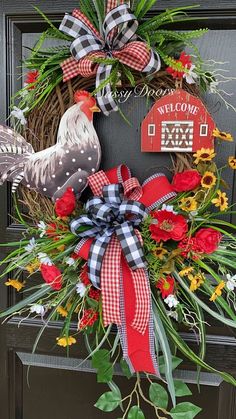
{"x":42,"y":227}
{"x":19,"y":114}
{"x":31,"y":246}
{"x":43,"y":258}
{"x":168,"y":208}
{"x":192,"y":214}
{"x":171,"y":301}
{"x":231,"y":282}
{"x":80,"y":289}
{"x":38,"y":309}
{"x":173,"y":314}
{"x":191,"y":77}
{"x":70,"y":261}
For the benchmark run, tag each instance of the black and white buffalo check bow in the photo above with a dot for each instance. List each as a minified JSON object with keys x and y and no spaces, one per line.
{"x":111,"y":214}
{"x":117,"y":40}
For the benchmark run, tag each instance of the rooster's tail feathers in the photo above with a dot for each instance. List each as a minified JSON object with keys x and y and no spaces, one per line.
{"x":12,"y":142}
{"x":14,"y":151}
{"x":17,"y":180}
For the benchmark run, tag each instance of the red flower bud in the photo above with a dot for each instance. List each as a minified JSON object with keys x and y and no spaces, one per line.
{"x":52,"y":276}
{"x":66,"y":204}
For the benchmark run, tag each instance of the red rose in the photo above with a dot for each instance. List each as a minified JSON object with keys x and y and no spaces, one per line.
{"x":52,"y":276}
{"x":166,"y":286}
{"x":66,"y":204}
{"x":167,"y":225}
{"x":208,"y":239}
{"x":186,"y":181}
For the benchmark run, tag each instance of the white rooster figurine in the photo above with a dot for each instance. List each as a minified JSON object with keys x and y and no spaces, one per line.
{"x":68,"y":163}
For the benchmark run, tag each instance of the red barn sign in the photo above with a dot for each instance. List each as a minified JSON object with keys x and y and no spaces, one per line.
{"x":178,"y":122}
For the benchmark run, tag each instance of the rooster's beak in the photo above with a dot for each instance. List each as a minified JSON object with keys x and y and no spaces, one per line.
{"x":95,"y":108}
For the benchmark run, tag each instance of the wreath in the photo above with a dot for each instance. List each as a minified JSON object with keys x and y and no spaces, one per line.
{"x":148,"y":257}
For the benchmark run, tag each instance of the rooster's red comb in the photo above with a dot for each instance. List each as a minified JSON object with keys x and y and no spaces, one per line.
{"x":81,"y":95}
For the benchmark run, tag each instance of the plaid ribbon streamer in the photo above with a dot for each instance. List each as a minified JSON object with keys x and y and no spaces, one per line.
{"x":117,"y":41}
{"x":107,"y":216}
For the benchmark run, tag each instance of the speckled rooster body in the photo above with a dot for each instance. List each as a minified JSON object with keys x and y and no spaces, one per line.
{"x":68,"y":163}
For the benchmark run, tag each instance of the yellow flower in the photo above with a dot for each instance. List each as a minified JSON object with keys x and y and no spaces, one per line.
{"x":232,"y":162}
{"x":186,"y":271}
{"x":208,"y":180}
{"x":62,"y":311}
{"x":15,"y":284}
{"x":32,"y":267}
{"x":68,"y":306}
{"x":221,"y":201}
{"x":61,"y":248}
{"x":226,"y":136}
{"x":188,"y":204}
{"x":159,"y":252}
{"x":196,"y":282}
{"x":205,"y":154}
{"x":66,"y":341}
{"x":218,"y":291}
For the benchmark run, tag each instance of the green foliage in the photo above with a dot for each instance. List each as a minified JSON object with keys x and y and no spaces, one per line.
{"x":175,"y":362}
{"x":169,"y":16}
{"x":45,"y":289}
{"x":158,"y":395}
{"x":161,"y":337}
{"x":182,"y":346}
{"x":142,"y":7}
{"x":128,"y":74}
{"x":125,"y":369}
{"x":101,"y":361}
{"x":87,"y":8}
{"x":185,"y":410}
{"x":108,"y":401}
{"x":56,"y":32}
{"x":181,"y":389}
{"x":135,"y":413}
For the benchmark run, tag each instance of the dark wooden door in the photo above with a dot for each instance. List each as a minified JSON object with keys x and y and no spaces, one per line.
{"x":54,"y":385}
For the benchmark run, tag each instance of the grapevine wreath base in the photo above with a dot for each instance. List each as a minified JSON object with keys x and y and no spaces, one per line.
{"x":149,"y":258}
{"x":43,"y":123}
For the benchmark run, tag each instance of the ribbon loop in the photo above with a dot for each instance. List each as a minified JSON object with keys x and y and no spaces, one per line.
{"x":113,"y":193}
{"x":136,"y":210}
{"x":120,"y":15}
{"x":84,"y":45}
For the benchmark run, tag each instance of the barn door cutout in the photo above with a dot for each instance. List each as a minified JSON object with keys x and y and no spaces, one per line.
{"x":178,"y":122}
